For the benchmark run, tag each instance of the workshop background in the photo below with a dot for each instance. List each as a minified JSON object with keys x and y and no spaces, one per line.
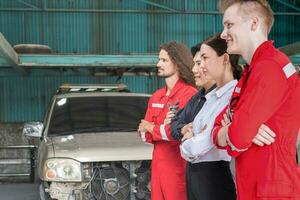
{"x":100,"y":41}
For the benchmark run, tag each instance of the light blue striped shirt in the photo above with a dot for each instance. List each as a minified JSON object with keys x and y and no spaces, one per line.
{"x":200,"y":147}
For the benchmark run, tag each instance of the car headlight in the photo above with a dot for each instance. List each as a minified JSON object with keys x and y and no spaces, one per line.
{"x":61,"y":169}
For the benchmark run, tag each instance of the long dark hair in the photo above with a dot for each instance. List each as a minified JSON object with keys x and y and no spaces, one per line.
{"x":182,"y":57}
{"x":219,"y":45}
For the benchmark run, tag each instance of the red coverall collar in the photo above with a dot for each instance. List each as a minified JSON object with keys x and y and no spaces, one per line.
{"x":259,"y":51}
{"x":178,"y":85}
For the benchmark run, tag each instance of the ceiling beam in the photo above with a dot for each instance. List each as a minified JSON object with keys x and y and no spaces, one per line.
{"x":140,"y":61}
{"x":159,"y":5}
{"x":27,"y":4}
{"x":147,"y":11}
{"x":8,"y":56}
{"x":289,"y":5}
{"x":83,"y":61}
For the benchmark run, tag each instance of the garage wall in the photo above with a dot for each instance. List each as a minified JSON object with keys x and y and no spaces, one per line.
{"x":116,"y":28}
{"x":119,"y":26}
{"x":106,"y":27}
{"x":27,"y":97}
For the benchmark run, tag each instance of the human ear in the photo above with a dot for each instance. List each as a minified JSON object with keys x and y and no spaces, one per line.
{"x":254,"y":23}
{"x":226,"y":58}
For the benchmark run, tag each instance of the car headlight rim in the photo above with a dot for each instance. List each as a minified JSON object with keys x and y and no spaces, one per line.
{"x":62,"y":170}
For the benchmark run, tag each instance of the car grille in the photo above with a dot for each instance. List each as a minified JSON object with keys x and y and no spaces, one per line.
{"x":118,"y":180}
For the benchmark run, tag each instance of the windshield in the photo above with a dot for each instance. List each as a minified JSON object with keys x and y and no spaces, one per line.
{"x":97,"y":114}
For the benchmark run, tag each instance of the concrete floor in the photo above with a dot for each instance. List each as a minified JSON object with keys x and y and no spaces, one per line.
{"x":17,"y":191}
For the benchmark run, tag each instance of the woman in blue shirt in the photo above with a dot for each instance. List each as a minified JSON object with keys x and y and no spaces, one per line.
{"x":208,"y":174}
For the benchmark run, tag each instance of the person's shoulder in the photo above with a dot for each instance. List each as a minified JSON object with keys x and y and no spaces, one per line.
{"x":194,"y":98}
{"x":268,"y":67}
{"x":188,"y":87}
{"x":276,"y":63}
{"x":276,"y":56}
{"x":187,"y":91}
{"x":277,"y":72}
{"x":271,"y":59}
{"x":159,"y":92}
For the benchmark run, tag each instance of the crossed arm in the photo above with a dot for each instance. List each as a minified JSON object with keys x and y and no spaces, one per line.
{"x":264,"y":136}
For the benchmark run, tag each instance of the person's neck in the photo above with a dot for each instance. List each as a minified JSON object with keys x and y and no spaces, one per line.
{"x":249,"y":51}
{"x":226,"y":79}
{"x":208,"y":85}
{"x":170,"y":83}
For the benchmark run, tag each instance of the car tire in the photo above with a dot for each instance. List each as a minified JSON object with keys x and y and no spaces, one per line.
{"x":32,"y":49}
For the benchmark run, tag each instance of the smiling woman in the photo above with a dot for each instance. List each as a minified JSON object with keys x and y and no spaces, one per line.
{"x":207,"y":169}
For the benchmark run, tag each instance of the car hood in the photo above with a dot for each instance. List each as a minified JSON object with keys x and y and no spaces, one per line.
{"x":107,"y":146}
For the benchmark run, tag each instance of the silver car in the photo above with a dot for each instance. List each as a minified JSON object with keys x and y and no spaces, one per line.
{"x":89,"y":147}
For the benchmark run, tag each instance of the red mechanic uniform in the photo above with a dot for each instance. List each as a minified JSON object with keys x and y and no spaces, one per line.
{"x":168,"y":168}
{"x":268,"y":93}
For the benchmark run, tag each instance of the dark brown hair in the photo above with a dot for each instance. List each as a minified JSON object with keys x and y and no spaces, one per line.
{"x":260,"y":7}
{"x":219,"y":45}
{"x":181,"y":56}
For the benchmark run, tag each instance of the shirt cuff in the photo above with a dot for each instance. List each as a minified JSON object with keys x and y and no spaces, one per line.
{"x":160,"y":133}
{"x":231,"y":145}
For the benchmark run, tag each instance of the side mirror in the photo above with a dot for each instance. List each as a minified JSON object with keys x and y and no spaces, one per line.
{"x":33,"y":129}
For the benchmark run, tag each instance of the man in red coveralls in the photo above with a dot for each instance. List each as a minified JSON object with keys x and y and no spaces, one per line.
{"x":268,"y":93}
{"x":168,"y":168}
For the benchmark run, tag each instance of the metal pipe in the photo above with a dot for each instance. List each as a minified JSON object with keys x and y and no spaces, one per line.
{"x":44,"y":5}
{"x":9,"y":55}
{"x":18,"y":147}
{"x":13,"y":175}
{"x":83,"y":61}
{"x":14,"y":161}
{"x":158,"y":5}
{"x":27,"y":4}
{"x":195,"y":12}
{"x":109,"y":11}
{"x":289,"y":5}
{"x":7,"y":52}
